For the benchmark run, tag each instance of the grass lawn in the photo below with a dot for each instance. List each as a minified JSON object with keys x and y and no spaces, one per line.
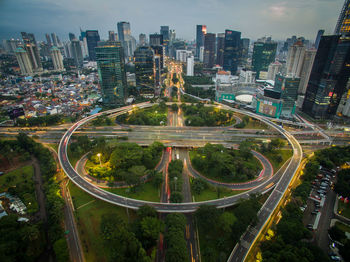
{"x":22,"y":178}
{"x":344,"y":209}
{"x":284,"y":153}
{"x":73,"y":158}
{"x":145,"y":192}
{"x":54,"y":146}
{"x":342,"y":227}
{"x":89,"y":219}
{"x":211,"y":194}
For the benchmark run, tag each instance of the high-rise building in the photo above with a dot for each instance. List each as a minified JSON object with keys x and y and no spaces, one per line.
{"x":244,"y":48}
{"x":157,"y":70}
{"x":209,"y":50}
{"x":144,"y":66}
{"x":57,"y":59}
{"x":264,"y":54}
{"x":92,"y":38}
{"x":76,"y":53}
{"x":164,"y":31}
{"x":54,"y":39}
{"x":124,"y":31}
{"x":159,"y":51}
{"x":111,"y":36}
{"x":273,"y":70}
{"x":220,"y":47}
{"x":71,"y":36}
{"x":201,"y":54}
{"x":142,"y":39}
{"x":288,"y":86}
{"x":232,"y":50}
{"x":48,"y":39}
{"x":309,"y":58}
{"x":155,"y":39}
{"x":329,"y":77}
{"x":182,"y":55}
{"x":172,"y":35}
{"x":295,"y":59}
{"x":201,"y":31}
{"x":11,"y":45}
{"x":343,"y":24}
{"x":318,"y":37}
{"x":23,"y":61}
{"x":190,"y":66}
{"x":111,"y":71}
{"x":34,"y":57}
{"x":28,"y":38}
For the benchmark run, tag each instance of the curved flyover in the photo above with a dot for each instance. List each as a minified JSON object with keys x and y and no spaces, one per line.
{"x":168,"y":207}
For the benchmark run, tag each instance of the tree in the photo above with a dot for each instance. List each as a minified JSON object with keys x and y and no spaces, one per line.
{"x":198,"y":185}
{"x":176,"y":197}
{"x":150,"y":229}
{"x":174,"y":107}
{"x":207,"y":216}
{"x":126,"y":155}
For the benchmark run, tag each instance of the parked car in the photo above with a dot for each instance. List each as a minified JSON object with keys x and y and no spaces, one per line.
{"x":314,"y":213}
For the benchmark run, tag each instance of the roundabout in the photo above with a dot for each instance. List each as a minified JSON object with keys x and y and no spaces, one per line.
{"x":253,"y":187}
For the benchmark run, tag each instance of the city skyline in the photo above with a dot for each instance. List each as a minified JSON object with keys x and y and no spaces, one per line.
{"x":279,"y":19}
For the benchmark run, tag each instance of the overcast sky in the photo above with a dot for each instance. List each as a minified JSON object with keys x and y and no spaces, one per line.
{"x":254,"y":18}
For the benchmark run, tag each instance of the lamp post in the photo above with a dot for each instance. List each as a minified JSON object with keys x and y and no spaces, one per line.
{"x":99,"y":157}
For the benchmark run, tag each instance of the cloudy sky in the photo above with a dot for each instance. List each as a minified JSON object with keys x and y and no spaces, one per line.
{"x":254,"y":18}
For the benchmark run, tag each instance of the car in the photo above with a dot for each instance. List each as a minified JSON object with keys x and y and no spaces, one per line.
{"x":317,"y":197}
{"x":317,"y":205}
{"x":314,"y":213}
{"x":320,"y":191}
{"x":335,"y":258}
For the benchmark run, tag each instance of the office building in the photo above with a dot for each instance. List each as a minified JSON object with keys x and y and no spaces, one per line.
{"x":172,"y":35}
{"x":155,"y":39}
{"x":264,"y":54}
{"x":288,"y":87}
{"x":209,"y":50}
{"x":164,"y":31}
{"x":144,"y":66}
{"x":76,"y":52}
{"x":23,"y":61}
{"x":329,"y":77}
{"x":111,"y":71}
{"x":182,"y":55}
{"x":244,"y":48}
{"x":159,"y":51}
{"x":92,"y":38}
{"x":190,"y":66}
{"x":343,"y":24}
{"x":232,"y":51}
{"x":273,"y":70}
{"x":11,"y":45}
{"x":57,"y":59}
{"x":220,"y":47}
{"x":142,"y":39}
{"x":318,"y":37}
{"x":308,"y":62}
{"x":201,"y":31}
{"x":71,"y":36}
{"x":111,"y":36}
{"x":295,"y":59}
{"x":157,"y":70}
{"x":124,"y":31}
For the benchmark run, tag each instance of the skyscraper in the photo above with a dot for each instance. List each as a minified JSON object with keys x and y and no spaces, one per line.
{"x":155,"y":39}
{"x":144,"y":66}
{"x":142,"y":39}
{"x":264,"y":54}
{"x":92,"y":38}
{"x":77,"y":53}
{"x":244,"y":48}
{"x":309,"y":58}
{"x":295,"y":59}
{"x":190,"y":66}
{"x":28,"y":38}
{"x":329,"y":77}
{"x":343,"y":24}
{"x":220,"y":48}
{"x":201,"y":31}
{"x":273,"y":70}
{"x":48,"y":39}
{"x":111,"y":36}
{"x":57,"y":59}
{"x":34,"y":57}
{"x":124,"y":31}
{"x":318,"y":37}
{"x":209,"y":50}
{"x":164,"y":31}
{"x":232,"y":50}
{"x":23,"y":61}
{"x":288,"y":86}
{"x":71,"y":36}
{"x":157,"y":70}
{"x":54,"y":39}
{"x":111,"y":71}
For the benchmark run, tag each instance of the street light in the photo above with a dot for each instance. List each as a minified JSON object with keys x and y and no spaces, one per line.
{"x":99,"y":157}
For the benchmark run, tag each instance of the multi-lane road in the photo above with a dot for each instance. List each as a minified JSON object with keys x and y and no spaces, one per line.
{"x":161,"y":207}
